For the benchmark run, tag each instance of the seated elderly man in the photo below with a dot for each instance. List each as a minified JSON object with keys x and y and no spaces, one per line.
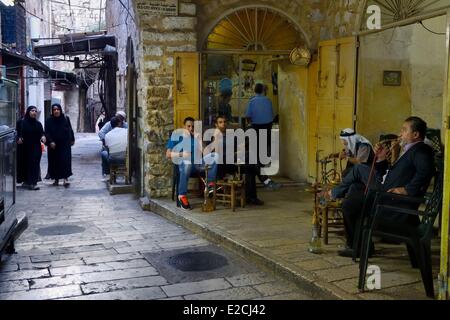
{"x":185,"y":150}
{"x":409,"y":175}
{"x":357,"y":149}
{"x":116,"y":142}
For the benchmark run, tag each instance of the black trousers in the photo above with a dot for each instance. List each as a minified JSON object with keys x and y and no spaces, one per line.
{"x":268,"y":127}
{"x":353,"y":188}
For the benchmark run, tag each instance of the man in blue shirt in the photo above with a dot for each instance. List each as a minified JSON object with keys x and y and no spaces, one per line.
{"x":260,"y":115}
{"x":183,"y":149}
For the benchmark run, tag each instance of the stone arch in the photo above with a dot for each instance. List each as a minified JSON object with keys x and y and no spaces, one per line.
{"x":210,"y":27}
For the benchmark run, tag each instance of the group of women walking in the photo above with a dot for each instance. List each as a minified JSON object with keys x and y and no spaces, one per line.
{"x":58,"y":137}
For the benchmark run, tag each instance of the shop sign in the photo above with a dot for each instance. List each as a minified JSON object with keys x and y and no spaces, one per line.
{"x":158,"y":7}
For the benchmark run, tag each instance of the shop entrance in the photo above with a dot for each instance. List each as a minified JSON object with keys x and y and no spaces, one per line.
{"x":245,"y":48}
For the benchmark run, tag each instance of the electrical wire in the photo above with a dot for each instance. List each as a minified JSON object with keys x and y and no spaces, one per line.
{"x":50,"y":23}
{"x":76,"y":6}
{"x":128,"y":10}
{"x":56,"y":25}
{"x":438,"y":33}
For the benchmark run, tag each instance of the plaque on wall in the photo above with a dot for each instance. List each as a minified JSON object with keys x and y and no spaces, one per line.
{"x":158,"y":7}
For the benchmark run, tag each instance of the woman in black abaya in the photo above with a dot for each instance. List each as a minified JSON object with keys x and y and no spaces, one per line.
{"x":29,"y":152}
{"x":60,"y":139}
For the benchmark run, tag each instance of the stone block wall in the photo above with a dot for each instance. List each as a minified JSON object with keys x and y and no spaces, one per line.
{"x":343,"y":18}
{"x":161,"y":37}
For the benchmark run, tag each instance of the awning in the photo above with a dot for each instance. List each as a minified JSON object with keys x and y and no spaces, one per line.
{"x":11,"y":58}
{"x":95,"y":44}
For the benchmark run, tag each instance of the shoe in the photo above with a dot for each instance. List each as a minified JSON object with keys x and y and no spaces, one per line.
{"x":273,"y":186}
{"x":24,"y":185}
{"x":348,"y":252}
{"x":56,"y":183}
{"x":211,"y":187}
{"x":184,"y":203}
{"x":255,"y":202}
{"x":66,"y":184}
{"x":33,"y":187}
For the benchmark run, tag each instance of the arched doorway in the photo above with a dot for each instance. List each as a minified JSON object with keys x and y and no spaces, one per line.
{"x":250,"y":45}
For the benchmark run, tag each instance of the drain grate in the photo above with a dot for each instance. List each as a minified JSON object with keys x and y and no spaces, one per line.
{"x":59,"y":230}
{"x":197,"y":261}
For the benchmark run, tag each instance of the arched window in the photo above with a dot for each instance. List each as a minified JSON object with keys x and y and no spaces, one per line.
{"x":255,"y":29}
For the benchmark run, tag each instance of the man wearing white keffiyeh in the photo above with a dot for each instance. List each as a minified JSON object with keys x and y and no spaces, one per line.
{"x":358,"y":149}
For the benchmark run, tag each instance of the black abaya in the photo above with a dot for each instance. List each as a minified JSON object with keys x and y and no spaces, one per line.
{"x":59,"y":131}
{"x":29,"y":153}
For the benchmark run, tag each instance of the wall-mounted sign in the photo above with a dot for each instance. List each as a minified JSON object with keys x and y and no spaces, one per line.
{"x":158,"y":7}
{"x":392,"y":78}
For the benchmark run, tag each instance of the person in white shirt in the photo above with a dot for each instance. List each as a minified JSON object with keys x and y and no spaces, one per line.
{"x":116,"y":142}
{"x":107,"y":127}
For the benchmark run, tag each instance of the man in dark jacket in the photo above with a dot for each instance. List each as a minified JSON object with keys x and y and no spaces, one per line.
{"x":410,"y":175}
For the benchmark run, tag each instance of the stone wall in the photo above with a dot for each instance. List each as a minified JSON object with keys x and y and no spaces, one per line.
{"x":161,"y":37}
{"x":343,"y":18}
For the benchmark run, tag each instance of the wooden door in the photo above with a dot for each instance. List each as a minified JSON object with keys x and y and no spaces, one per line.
{"x":335,"y":97}
{"x":186,"y":87}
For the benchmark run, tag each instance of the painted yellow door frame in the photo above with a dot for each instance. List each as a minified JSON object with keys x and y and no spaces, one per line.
{"x":186,"y":93}
{"x":444,"y":282}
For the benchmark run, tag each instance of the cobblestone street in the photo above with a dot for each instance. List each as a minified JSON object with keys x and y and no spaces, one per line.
{"x":82,"y":243}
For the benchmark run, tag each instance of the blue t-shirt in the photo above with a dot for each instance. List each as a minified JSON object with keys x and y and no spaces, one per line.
{"x":176,"y":144}
{"x":260,"y":110}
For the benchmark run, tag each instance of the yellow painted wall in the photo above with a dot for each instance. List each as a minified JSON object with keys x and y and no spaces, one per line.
{"x":293,"y":88}
{"x":419,"y":55}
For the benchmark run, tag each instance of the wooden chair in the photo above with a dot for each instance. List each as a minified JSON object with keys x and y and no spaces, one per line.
{"x":229,"y":192}
{"x":331,"y":219}
{"x":119,"y":169}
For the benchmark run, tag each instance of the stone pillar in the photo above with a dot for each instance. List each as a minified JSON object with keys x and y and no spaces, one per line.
{"x":161,"y":37}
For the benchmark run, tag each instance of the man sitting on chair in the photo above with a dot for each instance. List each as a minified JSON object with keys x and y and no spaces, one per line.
{"x":185,"y":150}
{"x":250,"y":170}
{"x":410,"y":175}
{"x":357,"y":149}
{"x":116,"y":142}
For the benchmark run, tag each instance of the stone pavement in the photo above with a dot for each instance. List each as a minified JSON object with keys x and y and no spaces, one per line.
{"x":277,"y":236}
{"x":82,"y":243}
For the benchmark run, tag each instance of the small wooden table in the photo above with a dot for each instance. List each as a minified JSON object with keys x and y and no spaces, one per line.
{"x":232,"y":190}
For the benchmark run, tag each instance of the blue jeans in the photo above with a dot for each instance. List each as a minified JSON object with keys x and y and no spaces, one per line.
{"x":105,"y":163}
{"x":186,"y":169}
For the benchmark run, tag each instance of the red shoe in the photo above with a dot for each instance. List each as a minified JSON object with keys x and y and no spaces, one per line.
{"x":184,"y":203}
{"x":211,"y":187}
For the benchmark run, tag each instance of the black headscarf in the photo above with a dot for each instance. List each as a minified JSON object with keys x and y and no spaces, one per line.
{"x":27,"y":114}
{"x":29,"y":128}
{"x":61,"y":117}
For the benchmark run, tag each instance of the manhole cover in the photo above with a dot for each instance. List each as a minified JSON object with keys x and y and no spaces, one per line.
{"x":59,"y":230}
{"x":197,"y":261}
